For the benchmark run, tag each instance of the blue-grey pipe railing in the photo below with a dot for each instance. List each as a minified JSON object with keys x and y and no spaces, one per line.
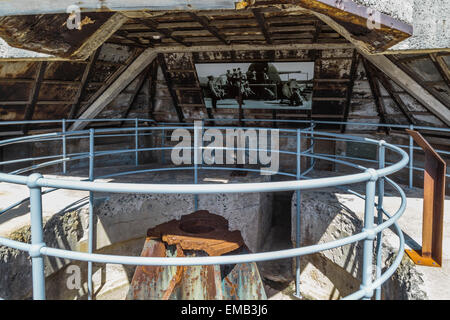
{"x":374,"y":179}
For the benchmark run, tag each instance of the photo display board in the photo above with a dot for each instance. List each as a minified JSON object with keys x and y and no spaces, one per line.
{"x":260,"y":85}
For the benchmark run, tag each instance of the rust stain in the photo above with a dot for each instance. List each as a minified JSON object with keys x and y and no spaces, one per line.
{"x":200,"y":230}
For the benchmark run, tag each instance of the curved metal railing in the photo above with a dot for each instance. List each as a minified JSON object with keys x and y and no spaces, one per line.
{"x":374,"y":178}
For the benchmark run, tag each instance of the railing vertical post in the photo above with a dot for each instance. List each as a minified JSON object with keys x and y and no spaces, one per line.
{"x":381,"y":165}
{"x":91,"y":209}
{"x":297,"y":217}
{"x":64,"y":145}
{"x":368,"y":226}
{"x":198,"y":137}
{"x":411,"y":158}
{"x":163,"y":142}
{"x":37,"y":237}
{"x":136,"y":142}
{"x":311,"y":159}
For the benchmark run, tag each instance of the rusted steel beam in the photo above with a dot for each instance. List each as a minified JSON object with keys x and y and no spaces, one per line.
{"x":433,"y":206}
{"x":213,"y":30}
{"x":34,"y":94}
{"x":262,"y":24}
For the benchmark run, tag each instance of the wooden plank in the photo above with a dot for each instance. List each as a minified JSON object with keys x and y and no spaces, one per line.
{"x":78,"y":96}
{"x":135,"y":93}
{"x":351,"y":84}
{"x":153,"y":26}
{"x":206,"y":24}
{"x":251,"y":47}
{"x":375,"y":89}
{"x":152,"y":89}
{"x":395,"y":97}
{"x":411,"y":86}
{"x":442,"y":67}
{"x":134,"y":69}
{"x":30,"y":7}
{"x":163,"y":65}
{"x":34,"y":94}
{"x":262,"y":24}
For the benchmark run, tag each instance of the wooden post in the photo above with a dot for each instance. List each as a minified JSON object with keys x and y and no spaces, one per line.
{"x":433,"y":206}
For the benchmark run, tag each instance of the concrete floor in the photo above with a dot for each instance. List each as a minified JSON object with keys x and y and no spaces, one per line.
{"x":437,"y":283}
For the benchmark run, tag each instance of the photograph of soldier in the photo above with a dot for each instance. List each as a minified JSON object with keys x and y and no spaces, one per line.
{"x":294,"y":92}
{"x":260,"y":85}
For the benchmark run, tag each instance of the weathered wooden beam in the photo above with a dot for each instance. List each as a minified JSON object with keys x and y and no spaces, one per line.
{"x":125,"y":34}
{"x":411,"y":86}
{"x":262,"y":24}
{"x":132,"y":71}
{"x":376,"y":93}
{"x":318,"y":31}
{"x":34,"y":94}
{"x":135,"y":93}
{"x":162,"y":64}
{"x":206,"y":24}
{"x":30,"y":7}
{"x":152,"y":25}
{"x":84,"y":78}
{"x":395,"y":97}
{"x":152,"y":89}
{"x":351,"y":84}
{"x":251,"y":47}
{"x":442,"y":67}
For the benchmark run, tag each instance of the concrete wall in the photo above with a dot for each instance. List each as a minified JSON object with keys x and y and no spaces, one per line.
{"x":121,"y":222}
{"x":331,"y":214}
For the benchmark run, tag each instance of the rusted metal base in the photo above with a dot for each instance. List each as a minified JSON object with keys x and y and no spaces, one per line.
{"x":417,"y":258}
{"x":198,"y":234}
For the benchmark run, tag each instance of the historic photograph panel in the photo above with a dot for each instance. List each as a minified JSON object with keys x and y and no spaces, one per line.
{"x":260,"y":85}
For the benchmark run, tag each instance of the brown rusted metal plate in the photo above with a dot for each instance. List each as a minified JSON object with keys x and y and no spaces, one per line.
{"x":433,"y":206}
{"x":200,"y":230}
{"x":198,"y":234}
{"x":417,"y":257}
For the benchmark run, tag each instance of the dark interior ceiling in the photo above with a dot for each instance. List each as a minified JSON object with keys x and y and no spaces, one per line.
{"x":257,"y":26}
{"x":346,"y":86}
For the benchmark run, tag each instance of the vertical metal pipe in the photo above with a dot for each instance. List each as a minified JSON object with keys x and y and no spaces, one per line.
{"x":91,"y":209}
{"x":198,"y":135}
{"x":411,"y":158}
{"x":136,"y":142}
{"x":311,"y":159}
{"x":297,"y":217}
{"x":163,"y":139}
{"x":64,"y":145}
{"x":368,"y":226}
{"x":381,"y":164}
{"x":37,"y":237}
